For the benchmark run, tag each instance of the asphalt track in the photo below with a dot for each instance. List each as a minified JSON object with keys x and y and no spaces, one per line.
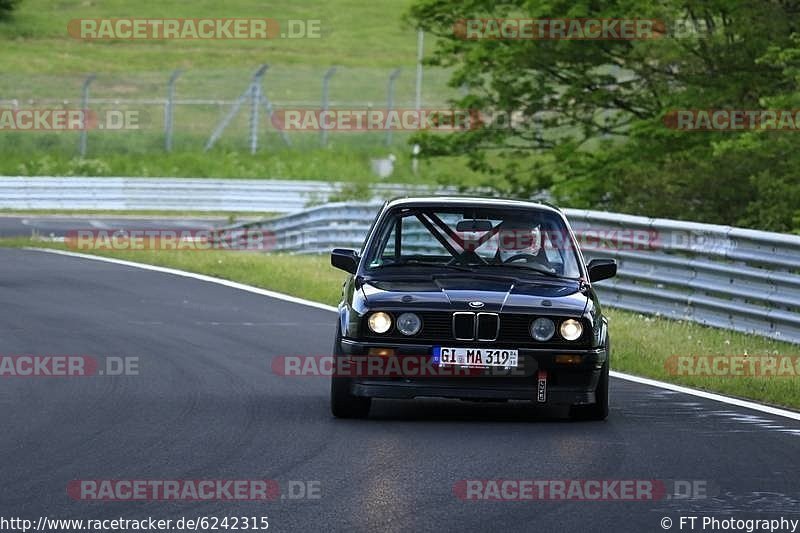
{"x":206,"y":405}
{"x":59,"y":226}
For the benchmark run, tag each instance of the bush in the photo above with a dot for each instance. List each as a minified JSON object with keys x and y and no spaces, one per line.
{"x":7,"y":6}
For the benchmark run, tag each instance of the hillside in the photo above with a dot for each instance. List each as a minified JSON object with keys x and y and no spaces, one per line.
{"x":354,"y":33}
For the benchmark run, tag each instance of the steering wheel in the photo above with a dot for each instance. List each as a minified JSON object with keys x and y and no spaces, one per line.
{"x":523,"y":255}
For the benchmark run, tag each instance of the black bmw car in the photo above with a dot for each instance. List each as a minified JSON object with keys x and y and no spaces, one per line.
{"x":487,"y":299}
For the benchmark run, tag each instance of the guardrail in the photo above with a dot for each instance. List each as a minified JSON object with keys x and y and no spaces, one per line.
{"x":733,"y":278}
{"x":175,"y":194}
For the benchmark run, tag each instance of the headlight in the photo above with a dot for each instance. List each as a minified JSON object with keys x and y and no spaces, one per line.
{"x":380,"y":322}
{"x":543,"y":329}
{"x":571,"y":329}
{"x":409,"y":324}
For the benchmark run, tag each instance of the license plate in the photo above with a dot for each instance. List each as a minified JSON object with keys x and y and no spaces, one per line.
{"x":480,"y":357}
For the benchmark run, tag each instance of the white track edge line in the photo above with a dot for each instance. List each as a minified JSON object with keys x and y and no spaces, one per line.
{"x":185,"y":274}
{"x":708,"y":395}
{"x":301,"y":301}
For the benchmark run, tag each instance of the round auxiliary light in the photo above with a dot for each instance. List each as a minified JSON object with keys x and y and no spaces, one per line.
{"x":380,"y":322}
{"x":543,"y":329}
{"x":571,"y":329}
{"x":409,"y":324}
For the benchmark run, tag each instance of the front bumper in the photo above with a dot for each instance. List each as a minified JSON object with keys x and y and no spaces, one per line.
{"x":567,"y":384}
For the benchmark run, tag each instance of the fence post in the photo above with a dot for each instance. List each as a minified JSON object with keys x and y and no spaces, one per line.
{"x":168,"y":110}
{"x":270,"y":114}
{"x":255,"y":99}
{"x":85,"y":111}
{"x":323,"y":133}
{"x":256,"y":80}
{"x":390,"y":103}
{"x":255,"y":95}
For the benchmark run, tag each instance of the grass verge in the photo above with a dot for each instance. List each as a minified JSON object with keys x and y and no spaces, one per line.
{"x":351,"y":32}
{"x":641,"y":344}
{"x":331,"y":164}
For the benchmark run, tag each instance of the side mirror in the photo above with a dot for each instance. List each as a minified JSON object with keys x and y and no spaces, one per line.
{"x":344,"y":259}
{"x":600,"y":269}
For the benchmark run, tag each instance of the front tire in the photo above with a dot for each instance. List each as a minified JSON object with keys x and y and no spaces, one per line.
{"x":599,"y":409}
{"x":343,"y":403}
{"x":346,"y":405}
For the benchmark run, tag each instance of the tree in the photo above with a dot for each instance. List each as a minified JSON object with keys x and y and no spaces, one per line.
{"x":7,"y":6}
{"x":591,"y":114}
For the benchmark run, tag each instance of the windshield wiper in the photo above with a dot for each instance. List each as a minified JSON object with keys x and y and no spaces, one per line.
{"x":414,"y":262}
{"x":530,"y":266}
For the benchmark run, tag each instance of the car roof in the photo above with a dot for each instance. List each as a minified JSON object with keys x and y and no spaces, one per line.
{"x":468,"y":201}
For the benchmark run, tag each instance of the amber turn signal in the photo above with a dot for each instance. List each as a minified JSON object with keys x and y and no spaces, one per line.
{"x":382,"y":352}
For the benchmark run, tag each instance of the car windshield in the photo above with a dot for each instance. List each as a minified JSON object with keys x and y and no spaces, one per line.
{"x":534,"y":241}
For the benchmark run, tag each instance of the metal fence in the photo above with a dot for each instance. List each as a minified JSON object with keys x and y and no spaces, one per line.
{"x":178,"y":194}
{"x":733,"y":278}
{"x":197,"y":109}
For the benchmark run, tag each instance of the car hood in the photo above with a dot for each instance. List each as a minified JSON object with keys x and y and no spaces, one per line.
{"x":455,"y":293}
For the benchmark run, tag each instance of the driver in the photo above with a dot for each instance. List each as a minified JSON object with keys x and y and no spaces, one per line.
{"x":521,"y":240}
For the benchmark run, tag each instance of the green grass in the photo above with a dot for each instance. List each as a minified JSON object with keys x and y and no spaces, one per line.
{"x":364,"y":40}
{"x":641,"y":344}
{"x":44,"y":67}
{"x":332,"y":164}
{"x":353,"y":33}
